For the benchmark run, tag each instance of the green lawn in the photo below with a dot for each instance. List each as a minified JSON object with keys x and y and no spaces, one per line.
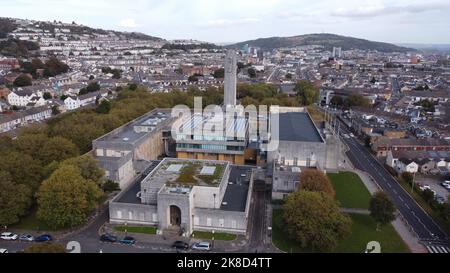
{"x":363,"y":230}
{"x":350,"y":190}
{"x":131,"y":229}
{"x":217,"y":236}
{"x":32,"y":223}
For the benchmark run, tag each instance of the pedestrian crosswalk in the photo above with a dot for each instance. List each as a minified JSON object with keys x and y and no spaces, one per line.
{"x":438,"y":249}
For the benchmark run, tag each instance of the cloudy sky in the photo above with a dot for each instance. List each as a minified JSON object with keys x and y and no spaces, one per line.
{"x":396,"y":21}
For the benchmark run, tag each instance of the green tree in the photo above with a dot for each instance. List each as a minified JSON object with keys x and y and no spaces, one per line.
{"x":219,"y":73}
{"x":104,"y":107}
{"x":407,"y":177}
{"x":15,"y":200}
{"x":66,"y":198}
{"x":24,"y":170}
{"x":337,"y":101}
{"x":314,"y":220}
{"x":315,"y":180}
{"x":428,"y":195}
{"x":45,"y":248}
{"x":54,"y":67}
{"x":357,"y":100}
{"x":251,"y":72}
{"x":307,"y":93}
{"x":47,"y":96}
{"x":110,"y":186}
{"x":132,"y":86}
{"x":55,"y":110}
{"x":22,"y":80}
{"x":92,"y":87}
{"x":89,"y":168}
{"x":382,"y":209}
{"x":57,"y":149}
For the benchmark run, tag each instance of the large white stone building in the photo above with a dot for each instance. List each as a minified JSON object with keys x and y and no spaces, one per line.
{"x":184,"y":195}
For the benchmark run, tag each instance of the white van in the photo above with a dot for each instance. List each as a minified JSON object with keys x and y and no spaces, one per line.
{"x":3,"y":250}
{"x":205,"y":246}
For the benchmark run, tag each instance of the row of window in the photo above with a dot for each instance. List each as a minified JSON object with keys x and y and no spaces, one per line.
{"x":210,"y":147}
{"x":135,"y":216}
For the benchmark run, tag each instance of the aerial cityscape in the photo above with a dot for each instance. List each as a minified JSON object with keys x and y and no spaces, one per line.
{"x":125,"y":136}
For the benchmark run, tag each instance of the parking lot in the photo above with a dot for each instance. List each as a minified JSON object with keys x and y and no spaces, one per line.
{"x":435,"y":184}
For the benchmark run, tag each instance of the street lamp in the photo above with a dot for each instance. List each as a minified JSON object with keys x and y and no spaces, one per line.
{"x":214,"y":195}
{"x":213,"y":238}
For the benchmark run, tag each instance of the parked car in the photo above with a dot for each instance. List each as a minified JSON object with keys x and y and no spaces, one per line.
{"x":205,"y":246}
{"x":424,"y":187}
{"x":108,"y":238}
{"x":440,"y":199}
{"x":9,"y":236}
{"x":3,"y":250}
{"x":180,"y":245}
{"x":26,"y":238}
{"x":446,"y":185}
{"x":44,"y":238}
{"x":128,"y":240}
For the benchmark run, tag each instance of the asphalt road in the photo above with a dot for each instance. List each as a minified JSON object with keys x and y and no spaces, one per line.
{"x":422,"y":224}
{"x":257,"y":219}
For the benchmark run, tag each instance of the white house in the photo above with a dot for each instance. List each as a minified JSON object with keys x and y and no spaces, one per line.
{"x":72,"y":103}
{"x":27,"y":96}
{"x":18,"y":119}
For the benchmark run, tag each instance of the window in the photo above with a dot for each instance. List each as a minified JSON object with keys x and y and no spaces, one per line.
{"x":119,"y":214}
{"x":154,"y":217}
{"x":221,"y":222}
{"x":130,"y":215}
{"x":233,"y":224}
{"x":196,"y":221}
{"x":208,"y":222}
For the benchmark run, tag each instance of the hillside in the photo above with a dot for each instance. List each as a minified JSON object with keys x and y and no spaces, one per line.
{"x":8,"y":25}
{"x":327,"y":40}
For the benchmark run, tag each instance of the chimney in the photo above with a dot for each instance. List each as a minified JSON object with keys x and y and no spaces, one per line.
{"x":230,"y":79}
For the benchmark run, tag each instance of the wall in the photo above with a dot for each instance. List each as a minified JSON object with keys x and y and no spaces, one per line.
{"x":220,"y":220}
{"x":141,"y":214}
{"x":302,"y":151}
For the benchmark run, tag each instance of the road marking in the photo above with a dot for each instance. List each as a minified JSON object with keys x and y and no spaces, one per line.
{"x":395,"y":191}
{"x":401,"y":199}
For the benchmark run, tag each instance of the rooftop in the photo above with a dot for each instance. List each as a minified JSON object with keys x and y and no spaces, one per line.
{"x":188,"y":173}
{"x":134,"y":130}
{"x":236,"y":194}
{"x":298,"y":126}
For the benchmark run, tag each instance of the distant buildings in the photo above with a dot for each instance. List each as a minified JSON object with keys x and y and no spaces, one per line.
{"x":337,"y":52}
{"x":13,"y":120}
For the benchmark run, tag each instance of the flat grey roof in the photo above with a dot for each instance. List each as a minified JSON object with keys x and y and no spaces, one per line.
{"x":129,"y":196}
{"x":127,"y":134}
{"x":237,"y":192}
{"x":298,"y":126}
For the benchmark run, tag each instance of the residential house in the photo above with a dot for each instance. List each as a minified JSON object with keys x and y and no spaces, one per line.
{"x":13,"y":120}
